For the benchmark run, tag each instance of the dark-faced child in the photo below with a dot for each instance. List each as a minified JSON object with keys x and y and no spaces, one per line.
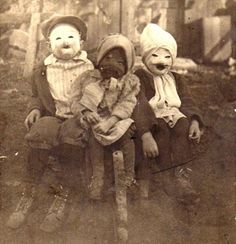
{"x":107,"y":104}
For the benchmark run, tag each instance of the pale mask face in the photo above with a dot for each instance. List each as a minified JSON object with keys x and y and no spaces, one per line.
{"x":159,"y":61}
{"x":65,"y":41}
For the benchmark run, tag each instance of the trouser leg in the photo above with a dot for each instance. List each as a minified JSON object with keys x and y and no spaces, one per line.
{"x":97,"y":162}
{"x":180,"y":144}
{"x":36,"y":163}
{"x":126,"y":145}
{"x":161,"y":134}
{"x":141,"y":163}
{"x":181,"y":152}
{"x":142,"y":169}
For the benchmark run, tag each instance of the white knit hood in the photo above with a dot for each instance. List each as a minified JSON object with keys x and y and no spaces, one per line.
{"x":154,"y":37}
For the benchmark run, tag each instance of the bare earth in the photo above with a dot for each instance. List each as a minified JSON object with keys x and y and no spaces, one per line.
{"x":161,"y":220}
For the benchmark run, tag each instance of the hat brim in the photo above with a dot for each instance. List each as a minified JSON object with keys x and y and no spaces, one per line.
{"x":49,"y":24}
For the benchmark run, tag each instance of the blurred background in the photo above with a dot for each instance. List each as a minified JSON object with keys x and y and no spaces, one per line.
{"x":204,"y":29}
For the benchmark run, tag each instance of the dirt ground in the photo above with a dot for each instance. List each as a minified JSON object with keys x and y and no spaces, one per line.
{"x":161,"y":220}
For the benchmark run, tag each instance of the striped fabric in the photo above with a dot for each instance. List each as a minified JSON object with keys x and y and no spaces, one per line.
{"x":61,"y":75}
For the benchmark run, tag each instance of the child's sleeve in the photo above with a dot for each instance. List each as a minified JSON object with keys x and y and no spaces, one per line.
{"x":35,"y":101}
{"x":86,"y":93}
{"x":123,"y":109}
{"x":188,"y":105}
{"x":143,"y":114}
{"x":92,"y":95}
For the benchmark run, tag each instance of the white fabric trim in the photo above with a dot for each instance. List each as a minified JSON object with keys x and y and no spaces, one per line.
{"x":166,"y":102}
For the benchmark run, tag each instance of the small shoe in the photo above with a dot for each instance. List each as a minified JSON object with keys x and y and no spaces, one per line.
{"x":55,"y":215}
{"x":186,"y":194}
{"x":18,"y":217}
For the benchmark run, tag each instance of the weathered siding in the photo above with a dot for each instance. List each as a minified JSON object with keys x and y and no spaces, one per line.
{"x":216,"y":39}
{"x":130,"y":16}
{"x":106,"y":20}
{"x":193,"y":26}
{"x":135,"y":14}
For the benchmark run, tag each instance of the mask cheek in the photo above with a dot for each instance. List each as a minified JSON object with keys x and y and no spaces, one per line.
{"x":76,"y":45}
{"x":151,"y":66}
{"x":56,"y":47}
{"x":169,"y":63}
{"x":56,"y":50}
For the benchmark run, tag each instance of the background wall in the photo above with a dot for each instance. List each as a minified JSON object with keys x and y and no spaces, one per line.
{"x":182,"y":18}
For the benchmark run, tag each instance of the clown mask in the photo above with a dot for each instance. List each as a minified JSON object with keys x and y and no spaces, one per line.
{"x":159,"y":61}
{"x":113,"y":64}
{"x":65,"y":41}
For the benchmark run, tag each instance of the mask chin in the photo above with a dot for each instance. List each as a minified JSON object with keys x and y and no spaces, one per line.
{"x":109,"y":71}
{"x":62,"y":54}
{"x":160,"y":72}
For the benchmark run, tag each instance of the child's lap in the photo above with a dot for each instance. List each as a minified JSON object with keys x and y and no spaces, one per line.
{"x":49,"y":132}
{"x":162,"y":129}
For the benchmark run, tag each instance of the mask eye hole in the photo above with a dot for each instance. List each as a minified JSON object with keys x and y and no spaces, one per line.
{"x":154,"y":55}
{"x":168,"y":56}
{"x":58,"y":38}
{"x":70,"y":37}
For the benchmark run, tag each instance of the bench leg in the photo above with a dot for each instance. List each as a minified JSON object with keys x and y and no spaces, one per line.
{"x":121,"y":198}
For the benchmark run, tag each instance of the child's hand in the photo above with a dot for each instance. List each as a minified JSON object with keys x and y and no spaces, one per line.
{"x":194,"y":131}
{"x":150,"y":148}
{"x":32,"y":117}
{"x":92,"y":117}
{"x":105,"y":125}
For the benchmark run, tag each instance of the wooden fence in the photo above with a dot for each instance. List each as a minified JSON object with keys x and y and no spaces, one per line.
{"x":103,"y":17}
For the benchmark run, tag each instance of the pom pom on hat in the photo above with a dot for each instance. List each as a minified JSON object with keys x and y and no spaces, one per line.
{"x":154,"y":37}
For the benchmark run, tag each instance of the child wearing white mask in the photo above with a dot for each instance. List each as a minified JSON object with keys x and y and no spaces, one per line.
{"x":50,"y":121}
{"x":165,"y":134}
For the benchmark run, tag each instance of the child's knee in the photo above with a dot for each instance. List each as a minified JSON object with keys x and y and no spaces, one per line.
{"x":44,"y":133}
{"x":181,"y":128}
{"x":73,"y":134}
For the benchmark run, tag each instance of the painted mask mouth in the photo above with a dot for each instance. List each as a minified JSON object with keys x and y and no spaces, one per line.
{"x":161,"y":66}
{"x":66,"y":47}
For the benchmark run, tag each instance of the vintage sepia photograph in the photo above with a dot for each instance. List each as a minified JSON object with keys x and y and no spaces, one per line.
{"x":117,"y":121}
